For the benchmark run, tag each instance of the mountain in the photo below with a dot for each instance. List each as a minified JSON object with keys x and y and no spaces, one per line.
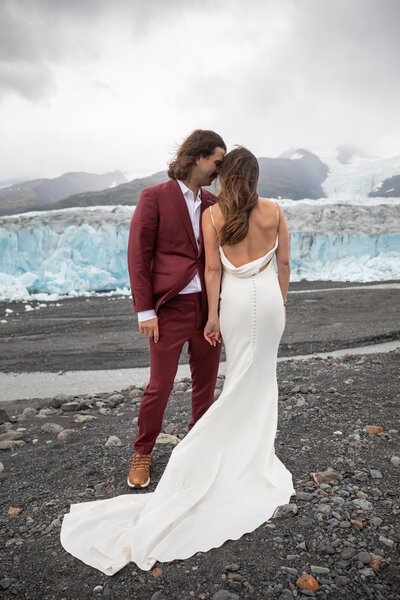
{"x":389,"y":188}
{"x":126,"y":193}
{"x":355,"y":174}
{"x":341,"y":174}
{"x":295,"y":174}
{"x":27,"y":195}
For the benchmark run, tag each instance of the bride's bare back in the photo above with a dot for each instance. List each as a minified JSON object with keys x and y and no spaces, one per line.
{"x":261,"y":236}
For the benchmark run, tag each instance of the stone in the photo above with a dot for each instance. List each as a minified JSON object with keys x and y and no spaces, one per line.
{"x":13,"y":511}
{"x":234,"y":577}
{"x":386,"y":541}
{"x":67,"y":435}
{"x":285,"y":510}
{"x":169,"y":429}
{"x":341,"y":580}
{"x":395,"y":460}
{"x":325,"y":476}
{"x":367,"y":572}
{"x":357,"y":523}
{"x":112,"y":441}
{"x":324,"y":548}
{"x":290,"y":570}
{"x":1,"y":467}
{"x":304,"y":496}
{"x":348,"y":553}
{"x":52,"y":428}
{"x":364,"y":557}
{"x":84,"y":418}
{"x":157,"y":596}
{"x":323,"y":508}
{"x":28,"y":413}
{"x":375,"y":522}
{"x":58,"y":400}
{"x":4,"y":418}
{"x":232,"y":567}
{"x":70,"y":406}
{"x":319,"y":570}
{"x":360,"y":475}
{"x":165,"y":438}
{"x":6,"y":582}
{"x":375,"y":474}
{"x":11,"y":435}
{"x":376,"y":561}
{"x":286,"y":595}
{"x":11,"y":444}
{"x":114,"y":400}
{"x":45,"y":412}
{"x":307,"y":582}
{"x":363,"y":504}
{"x":98,"y":589}
{"x":225,"y":595}
{"x":373,"y":429}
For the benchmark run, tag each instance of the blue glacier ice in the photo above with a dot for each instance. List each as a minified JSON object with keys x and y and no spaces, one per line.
{"x":83,"y":250}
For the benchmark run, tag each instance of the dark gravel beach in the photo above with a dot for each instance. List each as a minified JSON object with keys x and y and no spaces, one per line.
{"x":342,"y":526}
{"x":102,"y":333}
{"x":343,"y":531}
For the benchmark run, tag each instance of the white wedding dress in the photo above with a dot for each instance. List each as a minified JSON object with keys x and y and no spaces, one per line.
{"x":224,"y":478}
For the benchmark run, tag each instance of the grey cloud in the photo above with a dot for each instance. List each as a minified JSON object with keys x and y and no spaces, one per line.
{"x":35,"y":37}
{"x":333,"y":54}
{"x":38,"y":35}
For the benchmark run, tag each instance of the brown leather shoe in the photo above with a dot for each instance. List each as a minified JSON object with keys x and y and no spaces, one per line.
{"x":139,"y":473}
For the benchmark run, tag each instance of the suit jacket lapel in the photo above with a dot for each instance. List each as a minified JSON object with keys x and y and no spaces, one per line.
{"x":179,"y":204}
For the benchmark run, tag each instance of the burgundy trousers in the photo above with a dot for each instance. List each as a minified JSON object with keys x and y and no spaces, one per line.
{"x":180,"y":320}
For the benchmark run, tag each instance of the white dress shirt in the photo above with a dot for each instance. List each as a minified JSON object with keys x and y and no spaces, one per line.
{"x":193,"y":207}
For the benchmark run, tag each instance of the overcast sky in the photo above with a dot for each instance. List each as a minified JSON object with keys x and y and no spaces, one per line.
{"x":98,"y":85}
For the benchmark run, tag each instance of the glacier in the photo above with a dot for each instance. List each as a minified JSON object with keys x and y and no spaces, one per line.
{"x":82,"y":251}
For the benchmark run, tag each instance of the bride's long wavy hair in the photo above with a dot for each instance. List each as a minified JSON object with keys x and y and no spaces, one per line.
{"x":238,"y":178}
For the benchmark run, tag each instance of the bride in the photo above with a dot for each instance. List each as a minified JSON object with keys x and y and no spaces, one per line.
{"x":224,"y":478}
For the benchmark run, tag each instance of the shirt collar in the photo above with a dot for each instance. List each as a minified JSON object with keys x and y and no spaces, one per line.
{"x":185,"y":190}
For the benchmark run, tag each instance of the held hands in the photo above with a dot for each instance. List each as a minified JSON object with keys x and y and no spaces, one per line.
{"x":212,"y":333}
{"x":150,"y":328}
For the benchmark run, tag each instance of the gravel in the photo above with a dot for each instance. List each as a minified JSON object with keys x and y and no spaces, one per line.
{"x":341,"y":529}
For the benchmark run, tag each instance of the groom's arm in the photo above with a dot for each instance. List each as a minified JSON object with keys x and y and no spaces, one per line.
{"x":142,"y":239}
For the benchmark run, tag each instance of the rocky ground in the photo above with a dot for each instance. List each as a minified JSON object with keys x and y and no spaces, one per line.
{"x":339,"y":536}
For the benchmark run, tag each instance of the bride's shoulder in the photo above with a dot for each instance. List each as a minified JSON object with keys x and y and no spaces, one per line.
{"x":266,"y":205}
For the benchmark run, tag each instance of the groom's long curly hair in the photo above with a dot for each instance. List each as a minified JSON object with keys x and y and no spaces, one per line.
{"x":201,"y":142}
{"x":238,"y":194}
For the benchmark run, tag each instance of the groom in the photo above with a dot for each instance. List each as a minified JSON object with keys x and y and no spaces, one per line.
{"x":166,"y":269}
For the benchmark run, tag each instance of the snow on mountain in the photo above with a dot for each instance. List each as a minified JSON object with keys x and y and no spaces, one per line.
{"x":83,"y":250}
{"x":356,"y":178}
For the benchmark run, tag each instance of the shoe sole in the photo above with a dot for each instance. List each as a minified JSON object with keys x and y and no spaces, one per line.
{"x":138,"y":485}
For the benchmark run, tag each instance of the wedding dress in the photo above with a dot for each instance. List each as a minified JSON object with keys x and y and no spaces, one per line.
{"x":223,"y":479}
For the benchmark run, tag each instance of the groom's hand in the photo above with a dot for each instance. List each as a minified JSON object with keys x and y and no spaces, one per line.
{"x":150,"y":328}
{"x":212,"y":333}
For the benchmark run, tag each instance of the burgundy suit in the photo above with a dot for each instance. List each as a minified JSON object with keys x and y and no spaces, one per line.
{"x":162,"y":259}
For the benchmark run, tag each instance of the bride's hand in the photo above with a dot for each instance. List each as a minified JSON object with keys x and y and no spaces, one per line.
{"x":212,"y":332}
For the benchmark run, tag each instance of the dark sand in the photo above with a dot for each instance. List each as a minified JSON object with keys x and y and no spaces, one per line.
{"x":102,"y":332}
{"x":323,"y":408}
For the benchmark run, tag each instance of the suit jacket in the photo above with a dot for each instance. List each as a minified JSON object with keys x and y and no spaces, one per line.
{"x":162,"y":250}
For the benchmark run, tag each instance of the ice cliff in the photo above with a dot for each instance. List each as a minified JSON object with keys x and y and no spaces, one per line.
{"x":83,"y":250}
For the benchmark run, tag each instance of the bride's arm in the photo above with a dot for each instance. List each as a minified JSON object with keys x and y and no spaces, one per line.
{"x":212,"y":277}
{"x":282,"y":255}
